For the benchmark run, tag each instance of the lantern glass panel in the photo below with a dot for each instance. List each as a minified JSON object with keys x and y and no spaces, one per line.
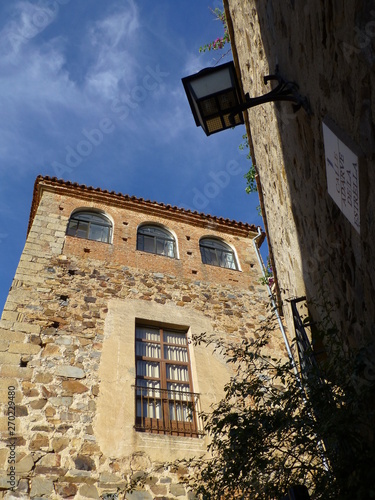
{"x":211,"y":83}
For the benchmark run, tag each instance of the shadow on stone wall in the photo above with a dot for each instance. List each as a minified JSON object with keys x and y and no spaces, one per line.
{"x":330,"y":53}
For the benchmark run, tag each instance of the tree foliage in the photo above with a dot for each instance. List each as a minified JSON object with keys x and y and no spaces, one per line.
{"x":273,"y":429}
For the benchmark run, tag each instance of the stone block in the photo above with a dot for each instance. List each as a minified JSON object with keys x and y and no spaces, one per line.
{"x":107,"y":477}
{"x":12,"y":336}
{"x":70,"y":371}
{"x":29,"y":389}
{"x":9,"y":315}
{"x":67,"y":416}
{"x":138,"y":495}
{"x":21,"y":411}
{"x":74,"y":387}
{"x":7,"y":358}
{"x":4,"y":484}
{"x":41,"y":486}
{"x":38,"y":442}
{"x":52,"y":472}
{"x":43,"y":378}
{"x":89,"y":491}
{"x":50,"y":412}
{"x":50,"y":350}
{"x":25,"y":464}
{"x":3,"y":458}
{"x":8,"y":382}
{"x":66,"y":490}
{"x":26,"y":327}
{"x":159,"y":489}
{"x":80,"y":476}
{"x":50,"y":460}
{"x":89,"y":448}
{"x":24,"y":348}
{"x":38,"y":404}
{"x":178,"y":490}
{"x":61,"y":401}
{"x":16,"y":371}
{"x":59,"y":443}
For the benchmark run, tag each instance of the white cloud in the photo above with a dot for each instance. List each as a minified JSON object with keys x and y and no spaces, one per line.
{"x":28,"y":20}
{"x":44,"y":106}
{"x":113,"y":42}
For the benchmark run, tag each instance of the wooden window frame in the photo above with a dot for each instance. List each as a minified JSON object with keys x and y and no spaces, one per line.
{"x":189,"y":400}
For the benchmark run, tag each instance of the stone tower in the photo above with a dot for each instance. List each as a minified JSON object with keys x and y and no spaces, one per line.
{"x":100,"y":382}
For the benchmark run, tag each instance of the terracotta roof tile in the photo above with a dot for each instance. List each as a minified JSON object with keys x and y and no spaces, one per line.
{"x":51,"y":182}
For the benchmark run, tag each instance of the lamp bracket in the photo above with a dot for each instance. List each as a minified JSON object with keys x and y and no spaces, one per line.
{"x":284,"y":91}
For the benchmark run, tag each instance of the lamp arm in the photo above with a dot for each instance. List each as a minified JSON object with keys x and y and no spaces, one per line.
{"x":284,"y":91}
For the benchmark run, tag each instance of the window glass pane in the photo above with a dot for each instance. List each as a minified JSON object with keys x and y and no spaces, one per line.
{"x":148,"y":388}
{"x":82,"y":229}
{"x":159,"y":246}
{"x":229,"y":261}
{"x":179,"y":407}
{"x":72,"y":228}
{"x":209,"y":256}
{"x":98,"y":233}
{"x":148,"y":369}
{"x":169,"y":248}
{"x":175,"y":353}
{"x":149,"y":408}
{"x":180,"y":411}
{"x":148,"y":333}
{"x":149,"y":244}
{"x":178,"y":391}
{"x":175,"y":338}
{"x":164,"y":247}
{"x":148,"y":350}
{"x":176,"y":372}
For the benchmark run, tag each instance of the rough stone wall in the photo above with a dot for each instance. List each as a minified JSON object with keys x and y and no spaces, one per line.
{"x":63,"y":350}
{"x":328,"y":48}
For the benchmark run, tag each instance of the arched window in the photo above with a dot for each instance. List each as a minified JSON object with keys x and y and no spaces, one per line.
{"x":90,"y":225}
{"x":217,"y":253}
{"x":154,"y":239}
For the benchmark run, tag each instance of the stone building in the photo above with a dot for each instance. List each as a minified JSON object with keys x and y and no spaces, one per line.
{"x":95,"y":338}
{"x":316,"y":171}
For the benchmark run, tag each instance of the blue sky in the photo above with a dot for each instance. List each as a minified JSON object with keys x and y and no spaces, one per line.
{"x":91,"y":92}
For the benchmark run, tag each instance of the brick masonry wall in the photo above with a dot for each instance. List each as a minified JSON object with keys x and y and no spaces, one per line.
{"x":328,"y":49}
{"x":52,"y":333}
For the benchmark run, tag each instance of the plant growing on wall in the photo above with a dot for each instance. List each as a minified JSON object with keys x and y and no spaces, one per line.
{"x":251,"y":186}
{"x":271,"y":431}
{"x":268,"y":278}
{"x":220,"y":42}
{"x":250,"y":176}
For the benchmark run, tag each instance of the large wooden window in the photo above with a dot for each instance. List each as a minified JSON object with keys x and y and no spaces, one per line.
{"x":165,"y":403}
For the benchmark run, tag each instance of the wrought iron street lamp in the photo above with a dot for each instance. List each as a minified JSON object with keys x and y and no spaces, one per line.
{"x":216,"y":101}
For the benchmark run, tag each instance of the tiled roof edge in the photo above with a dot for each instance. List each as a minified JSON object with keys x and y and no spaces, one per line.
{"x":55,"y":182}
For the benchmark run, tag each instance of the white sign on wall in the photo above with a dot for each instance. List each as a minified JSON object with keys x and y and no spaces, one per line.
{"x":342,"y":175}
